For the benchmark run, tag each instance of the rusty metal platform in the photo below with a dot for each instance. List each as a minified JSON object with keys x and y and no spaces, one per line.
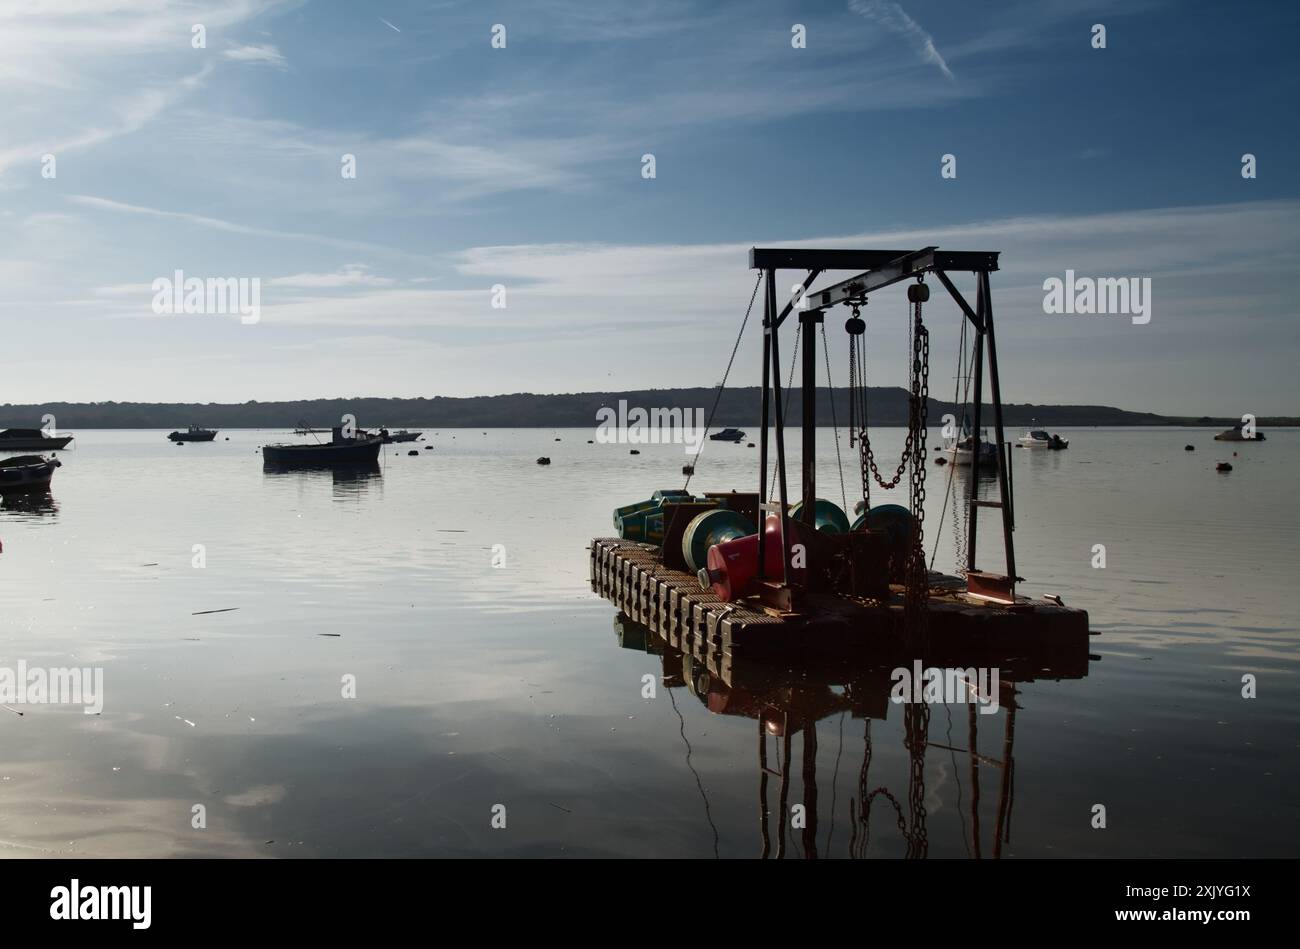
{"x":671,"y":603}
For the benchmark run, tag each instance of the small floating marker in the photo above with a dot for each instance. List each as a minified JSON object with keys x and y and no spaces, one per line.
{"x":559,"y":439}
{"x":634,"y":452}
{"x":413,"y":453}
{"x":750,"y":445}
{"x":543,"y":460}
{"x":1223,"y":466}
{"x":1189,"y":448}
{"x":590,"y":442}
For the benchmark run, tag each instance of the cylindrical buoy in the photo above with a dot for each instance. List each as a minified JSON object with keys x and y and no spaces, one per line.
{"x":896,"y":521}
{"x":630,"y":509}
{"x":827,"y":516}
{"x":709,"y":528}
{"x":633,"y":527}
{"x":732,"y":566}
{"x":631,"y":516}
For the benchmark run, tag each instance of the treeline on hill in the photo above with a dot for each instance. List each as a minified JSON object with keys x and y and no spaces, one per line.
{"x":737,"y":407}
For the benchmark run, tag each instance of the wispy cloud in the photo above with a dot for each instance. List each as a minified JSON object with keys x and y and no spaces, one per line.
{"x":350,"y":275}
{"x":128,"y":114}
{"x":233,"y":227}
{"x":894,"y":18}
{"x":264,"y":54}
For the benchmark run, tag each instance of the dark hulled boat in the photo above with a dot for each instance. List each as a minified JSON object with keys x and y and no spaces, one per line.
{"x":1238,"y":433}
{"x":27,"y":473}
{"x":340,"y":450}
{"x":402,"y":436}
{"x":31,"y":439}
{"x":194,"y":433}
{"x":727,"y":435}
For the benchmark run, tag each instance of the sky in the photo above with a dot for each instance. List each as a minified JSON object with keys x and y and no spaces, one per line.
{"x":521,"y":164}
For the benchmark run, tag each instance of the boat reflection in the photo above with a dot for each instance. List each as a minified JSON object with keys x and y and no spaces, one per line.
{"x":29,"y":503}
{"x":789,"y":697}
{"x":349,"y":481}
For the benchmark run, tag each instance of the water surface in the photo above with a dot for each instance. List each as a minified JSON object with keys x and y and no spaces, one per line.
{"x":481,"y":685}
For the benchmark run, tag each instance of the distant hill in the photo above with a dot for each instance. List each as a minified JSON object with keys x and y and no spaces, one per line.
{"x":739,"y":407}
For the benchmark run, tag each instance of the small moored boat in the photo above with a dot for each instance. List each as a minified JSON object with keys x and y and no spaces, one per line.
{"x":404,"y":436}
{"x":31,"y":439}
{"x":961,"y":450}
{"x":340,"y":450}
{"x":27,"y":473}
{"x":1034,"y":438}
{"x":728,"y":435}
{"x":1041,"y":438}
{"x":1235,"y":434}
{"x":194,"y":433}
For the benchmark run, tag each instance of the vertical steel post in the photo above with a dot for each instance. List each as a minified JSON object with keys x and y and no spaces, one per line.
{"x":780,"y":432}
{"x":768,"y":317}
{"x":975,"y":431}
{"x":808,"y":319}
{"x":1004,"y":483}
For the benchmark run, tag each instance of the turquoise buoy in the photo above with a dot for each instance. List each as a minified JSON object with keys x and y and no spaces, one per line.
{"x":712,"y":527}
{"x":827,"y":516}
{"x":640,"y":507}
{"x":896,"y":521}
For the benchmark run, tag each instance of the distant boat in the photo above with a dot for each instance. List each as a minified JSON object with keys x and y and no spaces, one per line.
{"x":1034,"y":438}
{"x":402,"y":436}
{"x":362,"y":450}
{"x":961,"y":450}
{"x":195,"y":433}
{"x":1040,"y":438}
{"x":31,"y":439}
{"x":1235,"y":434}
{"x":728,"y":435}
{"x":27,"y":473}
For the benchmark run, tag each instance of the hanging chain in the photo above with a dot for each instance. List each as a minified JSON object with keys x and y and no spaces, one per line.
{"x":869,"y":469}
{"x":917,"y":574}
{"x":917,"y":727}
{"x":918,"y":578}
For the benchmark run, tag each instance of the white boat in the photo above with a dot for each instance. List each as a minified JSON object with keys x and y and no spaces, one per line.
{"x":1034,"y":437}
{"x":1040,"y":438}
{"x":961,"y":451}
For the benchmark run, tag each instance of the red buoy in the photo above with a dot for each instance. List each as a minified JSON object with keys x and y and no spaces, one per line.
{"x":733,"y":565}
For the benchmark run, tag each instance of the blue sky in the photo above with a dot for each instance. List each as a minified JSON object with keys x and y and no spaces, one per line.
{"x":522,"y":166}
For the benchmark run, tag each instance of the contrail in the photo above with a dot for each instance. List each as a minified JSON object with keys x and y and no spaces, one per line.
{"x":893,"y":17}
{"x":389,"y":25}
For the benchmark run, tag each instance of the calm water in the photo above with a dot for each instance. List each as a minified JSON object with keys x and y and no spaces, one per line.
{"x":478,"y":686}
